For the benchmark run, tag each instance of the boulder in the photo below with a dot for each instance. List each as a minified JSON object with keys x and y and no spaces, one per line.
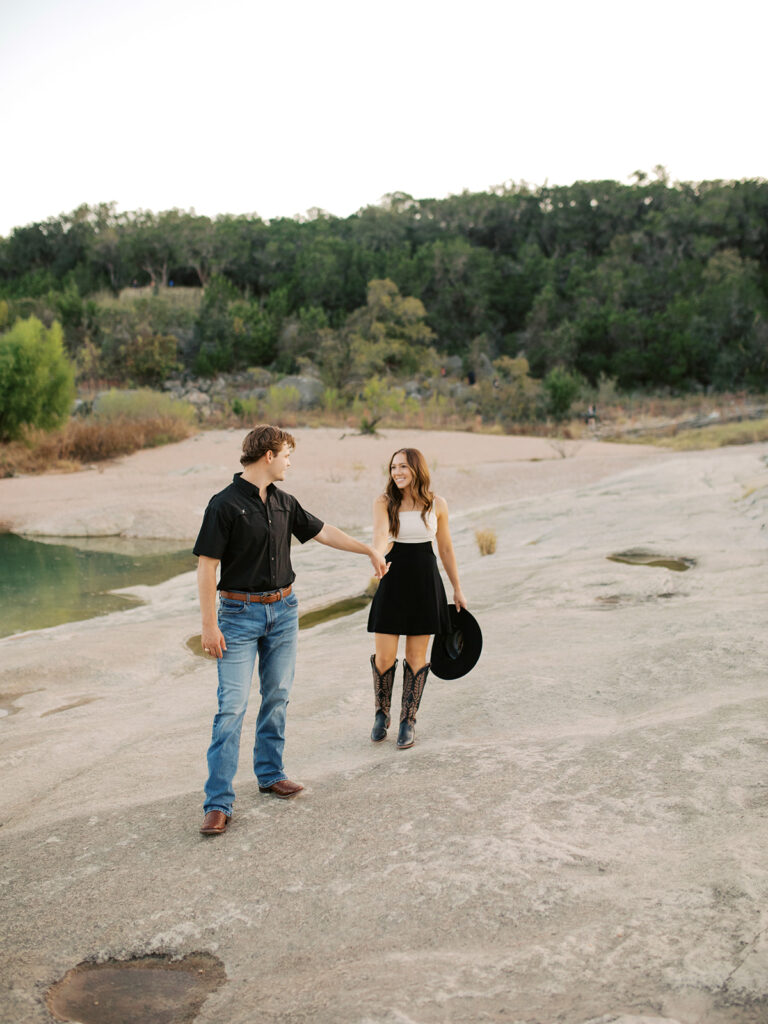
{"x":197,"y":397}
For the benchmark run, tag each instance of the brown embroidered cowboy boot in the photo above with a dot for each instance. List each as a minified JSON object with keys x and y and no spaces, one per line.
{"x":413,"y":688}
{"x":382,"y":693}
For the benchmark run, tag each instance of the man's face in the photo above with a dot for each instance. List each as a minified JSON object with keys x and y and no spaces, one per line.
{"x":281,"y":463}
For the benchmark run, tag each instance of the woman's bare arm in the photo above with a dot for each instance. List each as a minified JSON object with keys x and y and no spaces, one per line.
{"x":380,"y":525}
{"x":447,"y":554}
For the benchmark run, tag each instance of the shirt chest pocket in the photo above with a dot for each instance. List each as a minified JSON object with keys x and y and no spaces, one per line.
{"x":249,"y":528}
{"x":279,"y":523}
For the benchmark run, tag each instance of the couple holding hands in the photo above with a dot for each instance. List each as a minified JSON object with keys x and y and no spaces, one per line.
{"x":247,"y":530}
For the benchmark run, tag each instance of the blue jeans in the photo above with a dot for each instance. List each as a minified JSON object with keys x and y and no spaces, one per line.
{"x":271,"y":631}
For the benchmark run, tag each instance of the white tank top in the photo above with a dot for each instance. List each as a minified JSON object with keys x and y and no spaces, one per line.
{"x":413,"y":529}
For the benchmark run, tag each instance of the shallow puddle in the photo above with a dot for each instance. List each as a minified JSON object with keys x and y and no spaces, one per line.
{"x":333,"y":611}
{"x":638,"y":556}
{"x":616,"y":600}
{"x":147,"y":990}
{"x":67,"y":581}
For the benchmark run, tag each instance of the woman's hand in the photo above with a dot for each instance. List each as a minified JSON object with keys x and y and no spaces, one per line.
{"x":459,"y":600}
{"x":379,"y":563}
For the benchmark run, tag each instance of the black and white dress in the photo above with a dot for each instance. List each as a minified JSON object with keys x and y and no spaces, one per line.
{"x":410,"y":600}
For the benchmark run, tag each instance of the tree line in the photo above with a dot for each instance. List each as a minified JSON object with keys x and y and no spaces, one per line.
{"x":652,"y":284}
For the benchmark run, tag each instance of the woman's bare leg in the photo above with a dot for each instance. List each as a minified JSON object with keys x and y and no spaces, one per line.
{"x":415,"y":651}
{"x":386,"y":650}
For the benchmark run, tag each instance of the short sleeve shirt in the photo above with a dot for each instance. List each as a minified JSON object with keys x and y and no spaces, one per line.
{"x":252,"y":538}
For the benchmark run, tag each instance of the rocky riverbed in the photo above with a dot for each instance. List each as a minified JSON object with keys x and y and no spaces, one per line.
{"x":578,"y":834}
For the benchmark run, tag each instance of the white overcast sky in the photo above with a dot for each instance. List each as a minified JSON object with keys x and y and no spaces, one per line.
{"x":241,"y":106}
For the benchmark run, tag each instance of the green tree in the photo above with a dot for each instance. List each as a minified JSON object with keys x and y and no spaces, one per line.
{"x":561,"y":389}
{"x":36,"y":378}
{"x":389,"y":333}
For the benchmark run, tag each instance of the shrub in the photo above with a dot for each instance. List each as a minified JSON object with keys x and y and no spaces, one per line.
{"x":247,"y":409}
{"x":378,"y":399}
{"x":92,"y":440}
{"x":150,"y":359}
{"x":279,"y":401}
{"x":36,"y":378}
{"x":486,"y":541}
{"x":141,"y":404}
{"x":87,"y":441}
{"x":561,"y":388}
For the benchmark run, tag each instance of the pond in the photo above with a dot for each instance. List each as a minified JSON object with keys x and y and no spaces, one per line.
{"x":63,"y":580}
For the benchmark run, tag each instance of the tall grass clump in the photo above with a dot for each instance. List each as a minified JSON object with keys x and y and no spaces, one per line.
{"x":486,"y":541}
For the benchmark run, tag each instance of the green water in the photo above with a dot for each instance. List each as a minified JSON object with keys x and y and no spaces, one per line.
{"x":45,"y":584}
{"x":333,"y":611}
{"x":637,"y":557}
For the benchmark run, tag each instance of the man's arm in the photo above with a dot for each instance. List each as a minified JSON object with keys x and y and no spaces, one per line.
{"x":333,"y":537}
{"x":212,"y":638}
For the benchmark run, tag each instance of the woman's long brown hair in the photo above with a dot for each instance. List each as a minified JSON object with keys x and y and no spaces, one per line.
{"x":420,"y":487}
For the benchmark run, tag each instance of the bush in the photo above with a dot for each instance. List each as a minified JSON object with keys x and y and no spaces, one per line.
{"x":279,"y":402}
{"x":36,"y":378}
{"x":149,"y":360}
{"x":141,"y":404}
{"x":561,"y":388}
{"x":93,"y":440}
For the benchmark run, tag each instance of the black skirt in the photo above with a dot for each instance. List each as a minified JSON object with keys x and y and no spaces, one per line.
{"x":410,"y":600}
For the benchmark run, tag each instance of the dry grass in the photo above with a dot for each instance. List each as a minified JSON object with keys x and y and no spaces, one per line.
{"x":85,"y":441}
{"x":716,"y":436}
{"x":486,"y":541}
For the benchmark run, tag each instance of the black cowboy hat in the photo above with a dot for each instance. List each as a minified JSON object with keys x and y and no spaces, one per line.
{"x":456,"y":652}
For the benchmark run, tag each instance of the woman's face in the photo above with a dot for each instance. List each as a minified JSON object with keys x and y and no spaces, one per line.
{"x":402,"y":474}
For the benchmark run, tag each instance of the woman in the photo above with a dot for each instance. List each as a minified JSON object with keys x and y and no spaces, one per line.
{"x":410,"y":600}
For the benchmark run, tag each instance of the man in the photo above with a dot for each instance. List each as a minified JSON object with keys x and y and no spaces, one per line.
{"x":247,"y":529}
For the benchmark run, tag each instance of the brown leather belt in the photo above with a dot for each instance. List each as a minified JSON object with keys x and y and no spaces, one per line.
{"x":276,"y":595}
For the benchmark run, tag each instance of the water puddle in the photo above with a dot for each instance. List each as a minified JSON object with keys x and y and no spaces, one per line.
{"x":333,"y":611}
{"x":195,"y":645}
{"x":55,"y":581}
{"x":638,"y":556}
{"x":617,"y":600}
{"x":152,"y":989}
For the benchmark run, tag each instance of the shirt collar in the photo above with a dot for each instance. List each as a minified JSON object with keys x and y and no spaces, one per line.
{"x":248,"y":488}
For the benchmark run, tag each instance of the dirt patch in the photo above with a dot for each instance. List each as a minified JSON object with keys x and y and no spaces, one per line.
{"x":149,"y":988}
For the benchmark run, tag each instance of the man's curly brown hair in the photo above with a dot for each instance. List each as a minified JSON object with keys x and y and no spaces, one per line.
{"x":263,"y":439}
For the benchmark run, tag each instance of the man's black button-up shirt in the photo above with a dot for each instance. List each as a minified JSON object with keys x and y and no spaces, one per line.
{"x":252,"y":538}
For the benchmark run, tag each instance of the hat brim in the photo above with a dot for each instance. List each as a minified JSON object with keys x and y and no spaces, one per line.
{"x":456,"y":653}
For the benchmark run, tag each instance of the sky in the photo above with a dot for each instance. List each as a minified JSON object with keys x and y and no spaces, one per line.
{"x":242,"y":106}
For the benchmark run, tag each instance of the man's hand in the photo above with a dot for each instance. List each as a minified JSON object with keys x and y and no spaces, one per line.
{"x":213,"y":641}
{"x":379,"y":563}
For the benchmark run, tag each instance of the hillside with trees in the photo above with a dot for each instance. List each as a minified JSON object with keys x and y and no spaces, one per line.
{"x":654,"y":285}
